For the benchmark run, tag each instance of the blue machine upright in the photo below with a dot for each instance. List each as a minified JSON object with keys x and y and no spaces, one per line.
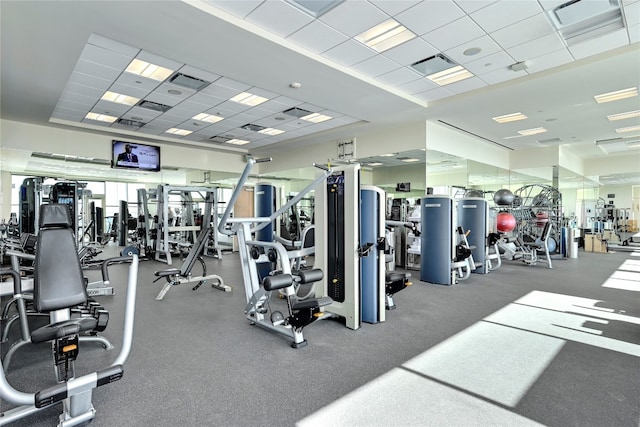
{"x":473,"y":218}
{"x":372,"y":276}
{"x":436,"y":239}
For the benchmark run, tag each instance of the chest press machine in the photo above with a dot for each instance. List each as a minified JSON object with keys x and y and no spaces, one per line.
{"x":300,"y":312}
{"x":58,"y":287}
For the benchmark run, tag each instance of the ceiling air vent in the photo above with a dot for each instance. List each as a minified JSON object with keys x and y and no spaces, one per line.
{"x":154,"y":106}
{"x":581,"y":20}
{"x":220,"y":139}
{"x":253,"y":128}
{"x":130,"y":123}
{"x":188,"y":81}
{"x":296,"y":112}
{"x":550,"y":141}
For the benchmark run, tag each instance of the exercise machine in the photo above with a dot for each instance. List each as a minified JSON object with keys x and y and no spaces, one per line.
{"x":175,"y":276}
{"x":445,"y":257}
{"x":58,"y":287}
{"x":258,"y":310}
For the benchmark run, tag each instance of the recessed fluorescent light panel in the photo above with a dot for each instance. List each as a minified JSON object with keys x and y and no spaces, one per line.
{"x":315,"y":8}
{"x":622,"y":116}
{"x":507,"y":118}
{"x":271,"y":131}
{"x":180,"y":132}
{"x":617,"y":95}
{"x":120,"y":99}
{"x":441,"y":70}
{"x":533,"y":131}
{"x":235,"y":141}
{"x":374,"y":164}
{"x":628,"y":129}
{"x":151,"y":71}
{"x":386,"y":35}
{"x":411,"y":160}
{"x":387,"y":155}
{"x":100,"y":117}
{"x":250,"y":99}
{"x":316,"y":118}
{"x":209,"y":118}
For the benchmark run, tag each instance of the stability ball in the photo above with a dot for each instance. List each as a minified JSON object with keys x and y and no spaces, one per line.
{"x":506,"y":222}
{"x":541,"y":218}
{"x":503,"y":197}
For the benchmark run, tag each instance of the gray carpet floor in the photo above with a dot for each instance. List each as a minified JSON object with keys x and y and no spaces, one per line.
{"x":523,"y":345}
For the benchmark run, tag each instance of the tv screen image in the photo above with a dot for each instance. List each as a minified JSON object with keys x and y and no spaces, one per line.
{"x":130,"y":155}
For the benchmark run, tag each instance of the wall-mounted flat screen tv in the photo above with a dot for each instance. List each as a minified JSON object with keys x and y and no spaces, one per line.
{"x":133,"y":155}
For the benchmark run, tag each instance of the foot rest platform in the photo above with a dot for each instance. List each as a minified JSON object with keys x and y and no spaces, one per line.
{"x":59,"y":392}
{"x":312,"y":303}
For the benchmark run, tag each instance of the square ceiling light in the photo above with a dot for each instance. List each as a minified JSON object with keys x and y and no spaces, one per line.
{"x":385,"y":35}
{"x":441,"y":70}
{"x":119,"y":98}
{"x":249,"y":99}
{"x":315,"y":8}
{"x":623,"y":116}
{"x":534,"y":131}
{"x":146,"y":69}
{"x":508,"y":118}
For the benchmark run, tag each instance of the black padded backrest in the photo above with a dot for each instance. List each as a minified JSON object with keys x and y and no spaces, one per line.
{"x":58,"y":281}
{"x":308,"y":237}
{"x":546,"y":231}
{"x":195,"y":252}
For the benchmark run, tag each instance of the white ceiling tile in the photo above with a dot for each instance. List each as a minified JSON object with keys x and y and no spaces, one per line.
{"x":269,"y":107}
{"x":112,"y":45}
{"x":399,"y":77}
{"x":134,"y":91}
{"x":632,"y":13}
{"x":418,"y":86}
{"x":429,"y":15}
{"x":317,"y":37}
{"x":97,"y":70}
{"x":490,"y":63}
{"x":353,"y":17}
{"x":538,"y":47}
{"x":601,"y":44}
{"x":263,"y":93}
{"x":232,"y":84}
{"x":77,"y":102}
{"x":164,"y":92}
{"x":85,"y":90}
{"x":411,"y":51}
{"x":349,"y":53}
{"x":470,"y":6}
{"x":278,"y":17}
{"x":528,"y":29}
{"x":486,"y":45}
{"x":466,"y":85}
{"x":375,"y":66}
{"x":634,"y":33}
{"x":394,"y":7}
{"x":234,"y":7}
{"x":453,"y":34}
{"x":550,"y":60}
{"x":434,"y":95}
{"x":141,"y":114}
{"x":230,"y":108}
{"x":217,"y":91}
{"x":113,"y":108}
{"x":105,"y":57}
{"x":88,"y":80}
{"x":159,"y":60}
{"x":501,"y":75}
{"x":504,"y":13}
{"x":133,"y":80}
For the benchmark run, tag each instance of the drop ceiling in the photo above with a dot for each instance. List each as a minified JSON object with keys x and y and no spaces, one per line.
{"x":58,"y":59}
